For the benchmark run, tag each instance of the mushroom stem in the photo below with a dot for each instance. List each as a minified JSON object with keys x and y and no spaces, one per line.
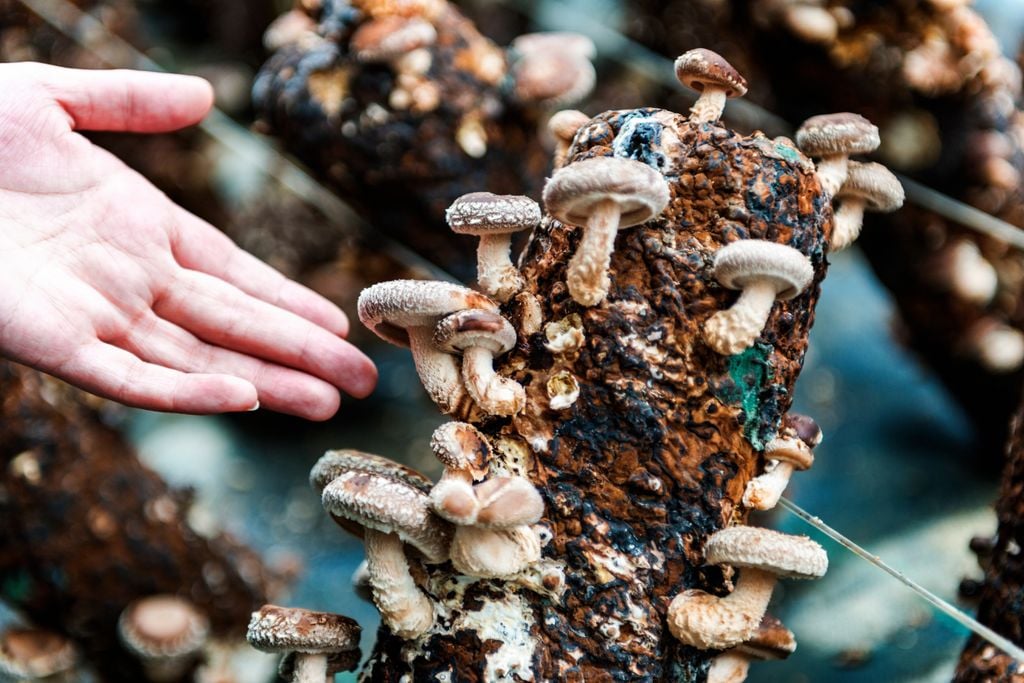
{"x":404,"y":608}
{"x":729,"y":667}
{"x":708,"y":622}
{"x":496,"y":273}
{"x":832,"y":171}
{"x":709,"y":106}
{"x":848,"y":221}
{"x":763,"y":492}
{"x":731,"y":331}
{"x":435,"y":369}
{"x":588,"y":269}
{"x":495,"y":394}
{"x":310,"y":668}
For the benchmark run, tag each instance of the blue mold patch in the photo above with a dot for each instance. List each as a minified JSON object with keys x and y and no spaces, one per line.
{"x":638,"y":138}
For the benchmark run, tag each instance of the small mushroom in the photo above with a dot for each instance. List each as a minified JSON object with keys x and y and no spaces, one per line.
{"x":480,"y":336}
{"x":564,"y":125}
{"x":552,"y":79}
{"x":494,"y":219}
{"x":834,"y":138}
{"x":291,"y":28}
{"x":465,"y":453}
{"x":603,"y":195}
{"x":811,"y":22}
{"x":960,"y":268}
{"x":547,"y":41}
{"x":714,"y":78}
{"x":313,"y":637}
{"x":165,"y":632}
{"x":507,"y":502}
{"x":998,"y":347}
{"x":388,"y":38}
{"x":405,"y":312}
{"x":868,"y":186}
{"x":784,"y":454}
{"x":708,"y":622}
{"x":772,"y":641}
{"x":29,"y":654}
{"x":765,"y":271}
{"x":391,"y":512}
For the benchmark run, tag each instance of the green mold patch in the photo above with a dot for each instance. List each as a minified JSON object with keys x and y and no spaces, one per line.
{"x":16,"y":588}
{"x":750,"y":374}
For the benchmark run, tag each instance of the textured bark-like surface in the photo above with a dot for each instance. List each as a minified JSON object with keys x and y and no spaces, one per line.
{"x":86,"y":528}
{"x":655,"y":453}
{"x":402,"y":163}
{"x":934,"y":82}
{"x":1001,"y":607}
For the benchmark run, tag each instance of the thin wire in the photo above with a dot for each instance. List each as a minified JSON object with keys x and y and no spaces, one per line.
{"x":659,"y":69}
{"x":73,"y":23}
{"x":938,"y":603}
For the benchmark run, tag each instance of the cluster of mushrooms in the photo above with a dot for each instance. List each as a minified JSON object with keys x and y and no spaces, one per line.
{"x":485,"y":516}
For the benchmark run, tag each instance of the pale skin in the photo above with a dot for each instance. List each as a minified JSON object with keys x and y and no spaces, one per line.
{"x":107,"y":284}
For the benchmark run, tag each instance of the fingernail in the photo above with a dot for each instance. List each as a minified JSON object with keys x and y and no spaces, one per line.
{"x":255,"y":407}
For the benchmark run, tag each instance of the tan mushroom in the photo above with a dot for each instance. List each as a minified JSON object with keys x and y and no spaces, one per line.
{"x":388,"y":38}
{"x":997,"y":346}
{"x":480,"y":336}
{"x":714,"y":78}
{"x":784,"y":454}
{"x":311,"y":638}
{"x":564,"y":125}
{"x":960,"y":268}
{"x":602,"y":195}
{"x":764,"y":271}
{"x":166,"y":633}
{"x":772,"y":641}
{"x":29,"y":654}
{"x":833,"y":138}
{"x":810,"y":21}
{"x":494,"y":219}
{"x":868,"y":186}
{"x":708,"y":622}
{"x":562,"y":41}
{"x":465,"y":454}
{"x":405,"y":312}
{"x":391,"y":510}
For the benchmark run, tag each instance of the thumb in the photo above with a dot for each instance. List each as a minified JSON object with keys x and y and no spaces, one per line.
{"x":130,"y":101}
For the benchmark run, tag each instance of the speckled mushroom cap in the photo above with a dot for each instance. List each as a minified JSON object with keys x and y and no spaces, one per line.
{"x":563,"y":41}
{"x":389,"y":505}
{"x":772,"y":641}
{"x":334,"y":463}
{"x":484,"y":213}
{"x":386,"y":38}
{"x":844,"y":133}
{"x":696,"y":69}
{"x":31,"y":653}
{"x":794,"y":557}
{"x":803,"y":427}
{"x":292,"y":629}
{"x":464,"y":329}
{"x":575,"y":190}
{"x":461,"y":446}
{"x":162,"y":626}
{"x":790,"y":449}
{"x":873,"y":184}
{"x":388,"y":308}
{"x":744,"y":261}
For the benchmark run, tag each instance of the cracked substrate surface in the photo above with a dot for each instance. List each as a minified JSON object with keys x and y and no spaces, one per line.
{"x":657,"y":450}
{"x":86,"y":528}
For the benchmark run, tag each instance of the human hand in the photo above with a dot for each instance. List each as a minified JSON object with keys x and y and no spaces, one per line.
{"x":107,"y":284}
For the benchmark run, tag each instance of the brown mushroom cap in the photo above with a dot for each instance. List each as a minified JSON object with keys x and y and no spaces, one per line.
{"x":389,"y":37}
{"x":31,"y":653}
{"x":484,"y":213}
{"x":334,"y":463}
{"x":564,"y":124}
{"x":773,"y":641}
{"x":700,"y":68}
{"x":873,"y":184}
{"x":162,"y":626}
{"x":746,"y":261}
{"x":803,"y":427}
{"x":507,"y":502}
{"x":794,"y":557}
{"x":388,"y":308}
{"x":834,"y":134}
{"x":389,"y":505}
{"x":575,"y":190}
{"x":554,"y":78}
{"x":560,"y":41}
{"x":460,"y":446}
{"x":464,"y":329}
{"x":291,"y":629}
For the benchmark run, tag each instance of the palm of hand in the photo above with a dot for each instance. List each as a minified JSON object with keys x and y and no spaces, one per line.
{"x":106,"y":283}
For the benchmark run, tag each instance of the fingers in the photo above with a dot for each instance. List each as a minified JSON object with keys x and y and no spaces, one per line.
{"x":222,"y":315}
{"x":132,"y":101}
{"x":280,"y":389}
{"x":199,"y":246}
{"x":118,"y":375}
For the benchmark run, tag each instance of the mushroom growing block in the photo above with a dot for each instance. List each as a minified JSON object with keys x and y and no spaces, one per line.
{"x":653,"y":456}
